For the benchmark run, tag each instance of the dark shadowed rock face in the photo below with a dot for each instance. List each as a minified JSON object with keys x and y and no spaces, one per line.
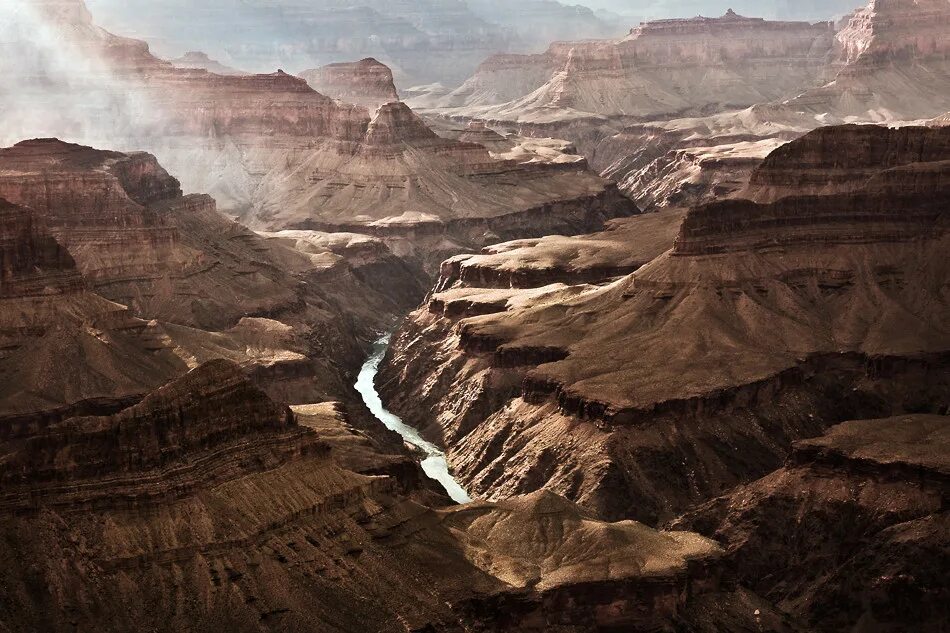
{"x":761,"y":326}
{"x":367,"y":82}
{"x":852,"y":529}
{"x":207,"y":408}
{"x":208,"y":487}
{"x":31,"y":261}
{"x":815,"y":164}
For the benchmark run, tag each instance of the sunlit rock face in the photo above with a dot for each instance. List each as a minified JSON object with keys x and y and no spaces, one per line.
{"x":367,"y":82}
{"x":763,"y":323}
{"x":661,"y":68}
{"x":892,"y":62}
{"x":277,"y":153}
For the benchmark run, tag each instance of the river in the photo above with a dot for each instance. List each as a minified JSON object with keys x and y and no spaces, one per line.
{"x":434,"y":464}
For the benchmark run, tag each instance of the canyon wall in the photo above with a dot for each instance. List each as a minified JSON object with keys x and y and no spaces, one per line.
{"x":275,"y":518}
{"x":763,"y":324}
{"x":862,"y":515}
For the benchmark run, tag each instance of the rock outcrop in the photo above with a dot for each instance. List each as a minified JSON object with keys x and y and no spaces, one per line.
{"x":114,"y":282}
{"x":424,"y":41}
{"x":280,"y":155}
{"x":662,"y":68}
{"x":851,"y":531}
{"x":891,"y":63}
{"x":367,"y":82}
{"x":765,"y":323}
{"x":208,"y":488}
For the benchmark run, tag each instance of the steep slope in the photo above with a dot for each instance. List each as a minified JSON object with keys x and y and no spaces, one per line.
{"x":280,"y":155}
{"x":851,"y":533}
{"x":367,"y":82}
{"x":113,"y":280}
{"x":661,"y":68}
{"x":764,"y":324}
{"x":207,"y":489}
{"x":893,"y":62}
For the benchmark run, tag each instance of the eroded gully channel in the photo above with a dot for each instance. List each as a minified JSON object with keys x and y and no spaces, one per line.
{"x":434,"y":464}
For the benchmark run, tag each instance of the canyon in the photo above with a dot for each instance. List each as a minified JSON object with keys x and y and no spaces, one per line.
{"x":681,"y":110}
{"x":633,"y":334}
{"x":743,"y":325}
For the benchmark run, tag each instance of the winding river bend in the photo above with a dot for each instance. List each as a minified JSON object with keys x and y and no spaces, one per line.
{"x":434,"y":464}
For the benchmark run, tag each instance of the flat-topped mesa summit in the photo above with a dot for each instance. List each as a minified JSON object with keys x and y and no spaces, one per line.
{"x":661,"y":68}
{"x":367,"y":83}
{"x":430,"y":197}
{"x":852,"y":528}
{"x":207,"y":487}
{"x":764,"y":323}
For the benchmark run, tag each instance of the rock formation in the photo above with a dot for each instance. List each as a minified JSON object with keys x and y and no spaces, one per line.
{"x":423,"y":40}
{"x":661,"y":68}
{"x":892,"y":62}
{"x":851,"y":530}
{"x":208,"y":488}
{"x":764,"y":323}
{"x":367,"y":82}
{"x":280,"y":155}
{"x":106,"y":265}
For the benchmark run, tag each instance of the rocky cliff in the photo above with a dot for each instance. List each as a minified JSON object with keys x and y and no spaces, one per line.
{"x":661,"y":68}
{"x":367,"y":82}
{"x":850,"y":530}
{"x":207,"y":488}
{"x":32,"y":262}
{"x":763,"y":324}
{"x":891,"y":63}
{"x":423,"y":40}
{"x":114,"y":282}
{"x":280,"y":155}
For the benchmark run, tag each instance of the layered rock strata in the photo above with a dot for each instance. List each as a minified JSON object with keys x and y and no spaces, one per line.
{"x":280,"y":155}
{"x":851,"y":530}
{"x":763,"y":324}
{"x":111,"y":268}
{"x":661,"y":68}
{"x":208,"y":488}
{"x":891,"y":62}
{"x":367,"y":82}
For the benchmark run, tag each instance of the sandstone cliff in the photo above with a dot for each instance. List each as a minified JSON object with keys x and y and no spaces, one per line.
{"x":367,"y":82}
{"x":891,"y":63}
{"x":280,"y":155}
{"x":208,"y":489}
{"x":661,"y":68}
{"x":763,"y":324}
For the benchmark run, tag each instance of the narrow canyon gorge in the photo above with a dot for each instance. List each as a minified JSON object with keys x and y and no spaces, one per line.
{"x":445,"y":316}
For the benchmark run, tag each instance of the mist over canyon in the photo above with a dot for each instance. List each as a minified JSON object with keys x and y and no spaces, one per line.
{"x":471,"y":315}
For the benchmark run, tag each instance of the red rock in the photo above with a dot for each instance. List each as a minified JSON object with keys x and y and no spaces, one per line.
{"x":693,"y":374}
{"x":367,"y":82}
